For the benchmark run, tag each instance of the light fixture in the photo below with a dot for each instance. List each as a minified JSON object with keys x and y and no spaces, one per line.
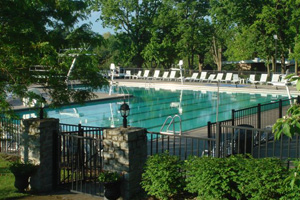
{"x":124,"y":110}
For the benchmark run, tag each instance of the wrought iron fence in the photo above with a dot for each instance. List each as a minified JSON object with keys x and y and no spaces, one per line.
{"x":179,"y":145}
{"x":10,"y":132}
{"x":80,"y":158}
{"x":260,"y":116}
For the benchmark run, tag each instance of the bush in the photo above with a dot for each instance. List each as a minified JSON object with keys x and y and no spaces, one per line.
{"x":235,"y":177}
{"x":162,"y":177}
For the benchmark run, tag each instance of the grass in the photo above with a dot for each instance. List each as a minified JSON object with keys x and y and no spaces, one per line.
{"x":7,"y":179}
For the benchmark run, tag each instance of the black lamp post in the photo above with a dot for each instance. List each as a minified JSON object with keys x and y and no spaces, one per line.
{"x":124,"y":109}
{"x":42,"y":108}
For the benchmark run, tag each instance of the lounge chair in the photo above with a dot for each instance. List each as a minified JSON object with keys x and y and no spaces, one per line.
{"x":172,"y":75}
{"x":146,"y":74}
{"x":235,"y":79}
{"x":251,"y":79}
{"x":228,"y":78}
{"x":202,"y":77}
{"x":275,"y":79}
{"x":165,"y":76}
{"x":282,"y":82}
{"x":211,"y":77}
{"x":218,"y":78}
{"x":127,"y":74}
{"x":155,"y":75}
{"x":192,"y":78}
{"x":263,"y":79}
{"x":138,"y":75}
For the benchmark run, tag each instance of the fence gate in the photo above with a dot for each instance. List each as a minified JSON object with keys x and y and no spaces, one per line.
{"x":80,"y":159}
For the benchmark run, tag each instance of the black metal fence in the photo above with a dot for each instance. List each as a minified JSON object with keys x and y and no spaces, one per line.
{"x":260,"y":116}
{"x":179,"y":145}
{"x":80,"y":158}
{"x":10,"y":133}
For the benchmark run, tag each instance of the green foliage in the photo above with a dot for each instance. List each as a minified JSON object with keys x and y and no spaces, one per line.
{"x":162,"y":177}
{"x":20,"y":169}
{"x":108,"y":177}
{"x":235,"y":177}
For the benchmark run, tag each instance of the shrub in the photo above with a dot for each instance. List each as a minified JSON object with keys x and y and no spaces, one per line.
{"x":162,"y":177}
{"x":235,"y":177}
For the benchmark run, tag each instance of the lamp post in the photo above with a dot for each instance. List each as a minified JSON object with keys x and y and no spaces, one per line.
{"x":275,"y":65}
{"x":42,"y":108}
{"x":124,"y":109}
{"x":112,"y":69}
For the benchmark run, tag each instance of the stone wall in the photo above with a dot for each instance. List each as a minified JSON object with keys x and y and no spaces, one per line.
{"x":125,"y":151}
{"x":38,"y":146}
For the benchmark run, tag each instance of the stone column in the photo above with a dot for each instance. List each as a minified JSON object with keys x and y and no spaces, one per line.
{"x":125,"y":151}
{"x":39,"y":141}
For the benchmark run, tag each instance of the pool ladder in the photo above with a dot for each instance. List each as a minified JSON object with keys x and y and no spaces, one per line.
{"x":172,"y":122}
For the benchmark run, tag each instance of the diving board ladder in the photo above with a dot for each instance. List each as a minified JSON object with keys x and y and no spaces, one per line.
{"x":172,"y":122}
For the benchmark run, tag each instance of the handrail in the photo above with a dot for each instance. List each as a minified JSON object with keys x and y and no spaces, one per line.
{"x":172,"y":122}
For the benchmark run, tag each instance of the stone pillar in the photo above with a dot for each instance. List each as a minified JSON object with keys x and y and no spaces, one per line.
{"x":39,"y":141}
{"x":125,"y":151}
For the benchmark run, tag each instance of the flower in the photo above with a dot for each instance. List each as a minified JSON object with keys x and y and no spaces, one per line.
{"x":108,"y":177}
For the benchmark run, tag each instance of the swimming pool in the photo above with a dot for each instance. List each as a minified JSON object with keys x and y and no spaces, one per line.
{"x":150,"y":107}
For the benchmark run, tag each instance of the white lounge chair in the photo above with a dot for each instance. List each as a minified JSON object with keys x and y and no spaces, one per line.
{"x":251,"y":79}
{"x":218,"y":78}
{"x":146,"y":74}
{"x":138,"y":75}
{"x":235,"y":79}
{"x":275,"y":79}
{"x":192,"y":78}
{"x":211,"y":77}
{"x":172,"y":75}
{"x":228,"y":78}
{"x":263,"y":79}
{"x":155,"y":75}
{"x":164,"y":77}
{"x":202,"y":77}
{"x":127,"y":74}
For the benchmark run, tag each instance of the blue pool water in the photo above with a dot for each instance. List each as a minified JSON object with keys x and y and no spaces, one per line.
{"x":149,"y":108}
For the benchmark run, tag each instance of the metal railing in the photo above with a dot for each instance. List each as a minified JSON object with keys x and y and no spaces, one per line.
{"x":10,"y":135}
{"x":80,"y":158}
{"x":258,"y":116}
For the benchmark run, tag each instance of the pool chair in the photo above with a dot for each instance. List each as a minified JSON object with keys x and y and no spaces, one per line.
{"x":138,"y":75}
{"x":164,"y":77}
{"x":127,"y":74}
{"x":211,"y":77}
{"x":251,"y":79}
{"x":202,"y":77}
{"x":155,"y":75}
{"x":275,"y":79}
{"x":146,"y":74}
{"x":263,"y":79}
{"x":282,"y":82}
{"x":192,"y":78}
{"x":228,"y":78}
{"x":218,"y":78}
{"x":235,"y":79}
{"x":172,"y":76}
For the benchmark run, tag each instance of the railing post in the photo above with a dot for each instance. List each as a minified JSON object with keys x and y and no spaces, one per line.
{"x":232,"y":117}
{"x":280,"y":108}
{"x":259,"y":115}
{"x":218,"y":140}
{"x":209,"y":129}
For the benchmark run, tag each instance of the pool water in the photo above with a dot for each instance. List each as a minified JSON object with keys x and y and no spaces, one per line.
{"x":149,"y":108}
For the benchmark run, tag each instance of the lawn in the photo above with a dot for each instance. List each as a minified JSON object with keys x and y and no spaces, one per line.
{"x":7,"y":189}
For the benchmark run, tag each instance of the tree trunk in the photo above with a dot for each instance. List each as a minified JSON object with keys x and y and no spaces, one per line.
{"x":296,"y":67}
{"x":273,"y":64}
{"x":217,"y":54}
{"x":201,"y":62}
{"x":282,"y":59}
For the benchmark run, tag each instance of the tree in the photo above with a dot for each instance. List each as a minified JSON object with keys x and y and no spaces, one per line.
{"x":132,"y":20}
{"x":33,"y":33}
